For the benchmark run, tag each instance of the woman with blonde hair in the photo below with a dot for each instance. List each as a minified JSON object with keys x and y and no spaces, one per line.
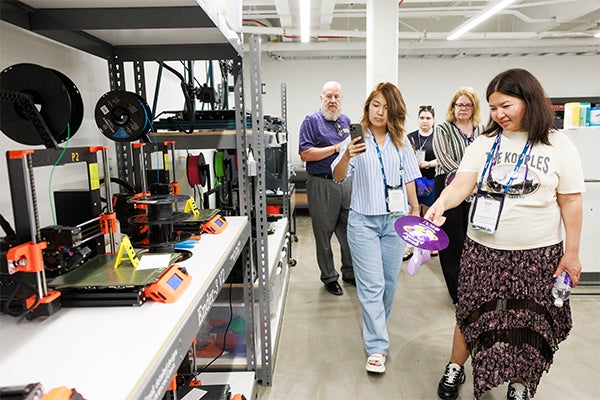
{"x":450,"y":140}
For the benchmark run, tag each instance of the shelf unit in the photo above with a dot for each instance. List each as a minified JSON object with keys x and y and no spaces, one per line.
{"x":264,"y":246}
{"x":278,"y":285}
{"x":585,"y":139}
{"x":190,"y":30}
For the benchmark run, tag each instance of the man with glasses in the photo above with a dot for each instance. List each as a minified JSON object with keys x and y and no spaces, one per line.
{"x":321,"y":134}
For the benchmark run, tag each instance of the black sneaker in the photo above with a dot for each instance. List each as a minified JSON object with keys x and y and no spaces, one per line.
{"x":448,"y":386}
{"x":517,"y":391}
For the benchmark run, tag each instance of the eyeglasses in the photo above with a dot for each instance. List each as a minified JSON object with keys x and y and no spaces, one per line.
{"x":425,"y":108}
{"x":339,"y":129}
{"x":465,"y":106}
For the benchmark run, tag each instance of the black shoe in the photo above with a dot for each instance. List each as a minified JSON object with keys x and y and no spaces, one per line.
{"x":517,"y":391}
{"x":349,"y":280}
{"x":448,"y":386}
{"x":334,"y":288}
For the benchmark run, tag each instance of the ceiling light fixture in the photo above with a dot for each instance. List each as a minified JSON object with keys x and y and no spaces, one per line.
{"x":304,"y":21}
{"x":476,"y":20}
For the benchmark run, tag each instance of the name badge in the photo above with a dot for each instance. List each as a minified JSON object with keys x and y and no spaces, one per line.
{"x":487,"y":208}
{"x":397,"y":201}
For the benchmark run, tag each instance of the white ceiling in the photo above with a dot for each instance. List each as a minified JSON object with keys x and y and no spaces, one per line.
{"x":338,"y":28}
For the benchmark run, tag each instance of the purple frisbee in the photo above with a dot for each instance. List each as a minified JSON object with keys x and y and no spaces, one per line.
{"x":421,"y":233}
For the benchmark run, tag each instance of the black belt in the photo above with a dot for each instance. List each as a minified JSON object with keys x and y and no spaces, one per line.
{"x":324,"y":176}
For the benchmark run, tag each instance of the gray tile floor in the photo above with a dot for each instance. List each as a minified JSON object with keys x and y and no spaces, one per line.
{"x":320,"y":353}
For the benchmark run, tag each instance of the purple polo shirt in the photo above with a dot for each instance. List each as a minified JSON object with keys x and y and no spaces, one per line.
{"x":316,"y":131}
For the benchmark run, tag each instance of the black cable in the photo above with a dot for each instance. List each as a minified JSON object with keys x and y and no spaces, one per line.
{"x":186,"y":95}
{"x":8,"y":230}
{"x":186,"y":69}
{"x":130,"y":189}
{"x":224,"y":335}
{"x":120,"y":182}
{"x":13,"y":296}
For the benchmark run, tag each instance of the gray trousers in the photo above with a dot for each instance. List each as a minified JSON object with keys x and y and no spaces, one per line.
{"x":328,"y":204}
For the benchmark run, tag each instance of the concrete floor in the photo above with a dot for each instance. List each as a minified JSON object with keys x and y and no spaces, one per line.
{"x":321,"y":356}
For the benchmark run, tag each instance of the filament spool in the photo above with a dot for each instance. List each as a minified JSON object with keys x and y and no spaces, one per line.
{"x":123,"y":116}
{"x":53,"y":94}
{"x":160,"y":219}
{"x":196,"y":170}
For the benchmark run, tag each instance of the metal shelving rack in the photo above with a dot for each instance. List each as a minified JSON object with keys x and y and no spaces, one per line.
{"x":268,"y":332}
{"x":83,"y":28}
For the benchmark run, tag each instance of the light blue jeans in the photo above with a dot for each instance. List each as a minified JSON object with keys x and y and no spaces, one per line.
{"x":377,"y":257}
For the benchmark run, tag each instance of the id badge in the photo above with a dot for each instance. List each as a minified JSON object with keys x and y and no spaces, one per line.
{"x":397,"y":201}
{"x":420,"y":155}
{"x":487,"y":208}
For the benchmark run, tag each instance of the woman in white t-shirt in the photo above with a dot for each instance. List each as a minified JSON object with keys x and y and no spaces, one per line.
{"x":529,"y":182}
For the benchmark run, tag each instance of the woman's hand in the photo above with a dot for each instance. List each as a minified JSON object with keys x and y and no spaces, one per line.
{"x":570,"y":262}
{"x":435,"y":213}
{"x":355,"y":148}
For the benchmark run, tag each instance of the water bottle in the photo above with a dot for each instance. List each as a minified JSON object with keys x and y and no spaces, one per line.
{"x":562,"y":288}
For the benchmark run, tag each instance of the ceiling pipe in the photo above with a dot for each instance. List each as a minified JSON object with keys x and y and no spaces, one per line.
{"x":341,"y":34}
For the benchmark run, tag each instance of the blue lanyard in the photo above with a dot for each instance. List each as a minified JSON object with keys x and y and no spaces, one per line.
{"x":385,"y":185}
{"x":494,"y":154}
{"x":425,"y":142}
{"x":468,"y":140}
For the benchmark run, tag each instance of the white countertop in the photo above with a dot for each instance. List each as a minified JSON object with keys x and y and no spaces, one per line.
{"x":120,"y":352}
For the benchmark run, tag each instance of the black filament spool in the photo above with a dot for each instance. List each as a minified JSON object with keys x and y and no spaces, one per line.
{"x":76,"y":106}
{"x":160,"y":219}
{"x":161,"y":238}
{"x":160,"y":212}
{"x":54,"y":95}
{"x":122,"y":116}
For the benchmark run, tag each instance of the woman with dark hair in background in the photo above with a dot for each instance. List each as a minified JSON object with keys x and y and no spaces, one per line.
{"x":422,"y":142}
{"x":529,"y":181}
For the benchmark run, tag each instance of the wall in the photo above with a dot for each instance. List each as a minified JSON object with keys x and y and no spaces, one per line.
{"x":422,"y":81}
{"x":88,"y":73}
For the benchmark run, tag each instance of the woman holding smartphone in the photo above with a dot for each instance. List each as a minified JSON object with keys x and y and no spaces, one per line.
{"x":384,"y":167}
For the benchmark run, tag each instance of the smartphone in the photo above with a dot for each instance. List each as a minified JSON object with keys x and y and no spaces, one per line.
{"x":356,"y":130}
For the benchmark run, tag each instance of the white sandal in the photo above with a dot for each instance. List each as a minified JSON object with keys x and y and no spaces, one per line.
{"x":373,"y":360}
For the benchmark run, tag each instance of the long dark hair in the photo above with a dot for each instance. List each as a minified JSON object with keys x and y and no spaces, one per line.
{"x":396,"y":111}
{"x":538,"y":118}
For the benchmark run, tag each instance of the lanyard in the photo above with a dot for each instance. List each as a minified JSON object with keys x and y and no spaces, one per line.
{"x":385,"y":185}
{"x":494,"y":154}
{"x":468,"y":140}
{"x":425,"y":142}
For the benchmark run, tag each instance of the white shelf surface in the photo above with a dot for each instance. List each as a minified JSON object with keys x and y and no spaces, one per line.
{"x":136,"y":349}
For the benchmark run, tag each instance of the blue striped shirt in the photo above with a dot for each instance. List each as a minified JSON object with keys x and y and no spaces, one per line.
{"x":368,"y":190}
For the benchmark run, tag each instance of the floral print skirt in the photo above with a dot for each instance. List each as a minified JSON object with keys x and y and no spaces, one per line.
{"x":506,"y":312}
